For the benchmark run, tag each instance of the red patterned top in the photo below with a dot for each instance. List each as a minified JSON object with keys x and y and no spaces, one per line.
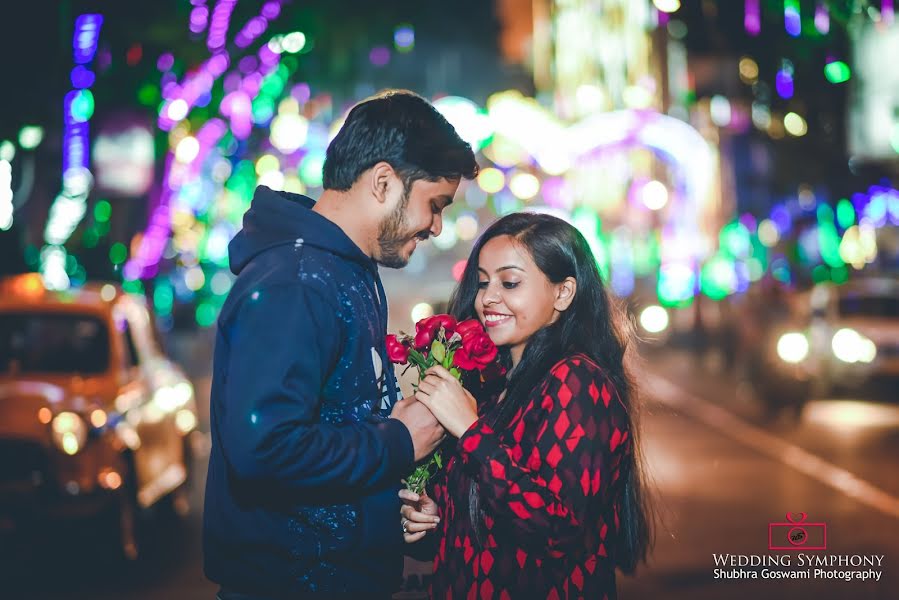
{"x":549,"y":489}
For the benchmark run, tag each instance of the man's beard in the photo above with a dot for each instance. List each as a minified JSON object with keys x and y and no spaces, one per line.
{"x":393,"y":235}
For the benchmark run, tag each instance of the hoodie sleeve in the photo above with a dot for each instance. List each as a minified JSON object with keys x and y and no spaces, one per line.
{"x":283,"y":340}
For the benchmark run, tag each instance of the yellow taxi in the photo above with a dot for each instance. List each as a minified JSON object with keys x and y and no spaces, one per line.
{"x":94,"y":418}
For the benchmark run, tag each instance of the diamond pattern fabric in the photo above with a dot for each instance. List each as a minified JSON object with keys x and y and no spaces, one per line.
{"x":550,"y":489}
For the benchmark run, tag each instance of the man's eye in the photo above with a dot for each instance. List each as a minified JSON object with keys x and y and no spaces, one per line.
{"x":510,"y":285}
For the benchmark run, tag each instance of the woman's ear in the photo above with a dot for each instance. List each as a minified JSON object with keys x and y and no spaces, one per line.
{"x":565,"y":292}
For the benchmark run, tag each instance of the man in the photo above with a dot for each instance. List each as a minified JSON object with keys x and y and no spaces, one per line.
{"x":301,"y":496}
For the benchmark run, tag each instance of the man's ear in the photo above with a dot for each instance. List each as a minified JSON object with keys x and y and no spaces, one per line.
{"x":380,"y":179}
{"x":565,"y":292}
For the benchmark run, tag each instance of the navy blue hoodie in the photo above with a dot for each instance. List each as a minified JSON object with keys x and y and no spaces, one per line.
{"x":304,"y":469}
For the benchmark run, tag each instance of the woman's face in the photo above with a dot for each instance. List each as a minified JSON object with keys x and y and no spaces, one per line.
{"x":515,"y":299}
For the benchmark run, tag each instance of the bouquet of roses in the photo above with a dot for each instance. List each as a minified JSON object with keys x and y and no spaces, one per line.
{"x":440,"y":340}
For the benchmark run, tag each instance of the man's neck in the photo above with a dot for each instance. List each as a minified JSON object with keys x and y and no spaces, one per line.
{"x":340,"y":208}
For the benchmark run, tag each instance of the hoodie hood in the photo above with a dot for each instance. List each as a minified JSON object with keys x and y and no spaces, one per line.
{"x":276,"y":218}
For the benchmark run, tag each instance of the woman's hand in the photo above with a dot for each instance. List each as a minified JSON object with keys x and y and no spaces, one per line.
{"x":453,"y":405}
{"x":419,"y":515}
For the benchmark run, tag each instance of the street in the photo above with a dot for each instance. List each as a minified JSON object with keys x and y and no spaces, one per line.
{"x":721,"y":476}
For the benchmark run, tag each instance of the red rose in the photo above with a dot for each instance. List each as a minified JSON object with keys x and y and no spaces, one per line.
{"x":469,"y":325}
{"x":477,"y":351}
{"x":426,"y":329}
{"x":397,"y":352}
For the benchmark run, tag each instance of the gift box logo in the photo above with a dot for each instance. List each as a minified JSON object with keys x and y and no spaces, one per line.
{"x":797,"y":534}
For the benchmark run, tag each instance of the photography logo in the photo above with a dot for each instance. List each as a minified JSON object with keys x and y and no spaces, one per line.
{"x":797,"y":550}
{"x":796,"y":534}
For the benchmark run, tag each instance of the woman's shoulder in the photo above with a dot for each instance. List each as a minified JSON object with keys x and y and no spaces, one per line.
{"x":577,"y":362}
{"x":578,"y":374}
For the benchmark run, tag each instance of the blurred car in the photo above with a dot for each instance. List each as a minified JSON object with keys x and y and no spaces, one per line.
{"x":839,"y":338}
{"x":94,"y":419}
{"x":854,"y":332}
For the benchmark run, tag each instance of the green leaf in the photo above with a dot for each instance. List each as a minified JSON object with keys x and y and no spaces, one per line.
{"x":455,"y":372}
{"x":438,"y":351}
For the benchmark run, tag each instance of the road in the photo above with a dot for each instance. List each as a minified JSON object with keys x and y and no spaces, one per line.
{"x":721,"y":473}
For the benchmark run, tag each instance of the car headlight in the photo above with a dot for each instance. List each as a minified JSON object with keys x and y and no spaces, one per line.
{"x":850,"y":346}
{"x":69,"y":432}
{"x":792,"y":347}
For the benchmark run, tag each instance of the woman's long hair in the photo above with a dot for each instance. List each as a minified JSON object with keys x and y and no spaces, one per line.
{"x":591,"y":325}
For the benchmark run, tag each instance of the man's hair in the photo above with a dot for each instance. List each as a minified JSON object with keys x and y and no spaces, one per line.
{"x":405,"y":131}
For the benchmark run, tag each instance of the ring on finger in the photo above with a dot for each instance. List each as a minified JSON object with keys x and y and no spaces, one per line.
{"x":405,"y":523}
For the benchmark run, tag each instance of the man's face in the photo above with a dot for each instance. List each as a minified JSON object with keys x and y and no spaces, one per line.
{"x":417,"y":216}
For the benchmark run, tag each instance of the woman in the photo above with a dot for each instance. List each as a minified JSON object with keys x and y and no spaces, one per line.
{"x":542,"y":496}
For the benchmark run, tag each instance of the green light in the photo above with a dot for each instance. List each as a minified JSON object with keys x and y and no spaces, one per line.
{"x":30,"y":136}
{"x":675,"y":286}
{"x":206,"y":314}
{"x":90,"y":238}
{"x":263,"y":109}
{"x":825,"y":214}
{"x":837,"y":72}
{"x":839,"y":274}
{"x":829,"y":244}
{"x":845,"y":214}
{"x":71,"y":264}
{"x":82,"y":106}
{"x":734,"y":239}
{"x":133,"y":286}
{"x":102,"y":211}
{"x":118,"y":253}
{"x":148,"y":94}
{"x":311,"y":169}
{"x":718,"y":278}
{"x":163,"y":298}
{"x":820,"y":273}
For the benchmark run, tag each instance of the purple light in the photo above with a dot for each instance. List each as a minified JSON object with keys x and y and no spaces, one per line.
{"x":87,"y":34}
{"x":887,"y":11}
{"x":165,"y":62}
{"x":792,"y":20}
{"x":749,"y":222}
{"x":199,"y":18}
{"x":379,"y":56}
{"x":252,"y":30}
{"x":404,"y":37}
{"x":271,"y":10}
{"x":784,"y":84}
{"x":782,"y":218}
{"x":822,"y":18}
{"x":301,"y":93}
{"x":82,"y":77}
{"x":218,"y":26}
{"x":783,"y":81}
{"x":248,"y":64}
{"x":752,"y":19}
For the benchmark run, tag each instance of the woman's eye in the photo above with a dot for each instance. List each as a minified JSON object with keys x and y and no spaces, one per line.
{"x":482,"y":285}
{"x":510,"y":285}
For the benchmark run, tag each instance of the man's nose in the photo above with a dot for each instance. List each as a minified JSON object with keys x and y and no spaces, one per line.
{"x":436,"y":226}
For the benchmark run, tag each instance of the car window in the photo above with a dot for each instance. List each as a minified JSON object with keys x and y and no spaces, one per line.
{"x":869,"y":306}
{"x":34,"y":342}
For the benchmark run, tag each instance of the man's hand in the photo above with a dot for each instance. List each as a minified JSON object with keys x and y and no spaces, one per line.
{"x":426,"y":432}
